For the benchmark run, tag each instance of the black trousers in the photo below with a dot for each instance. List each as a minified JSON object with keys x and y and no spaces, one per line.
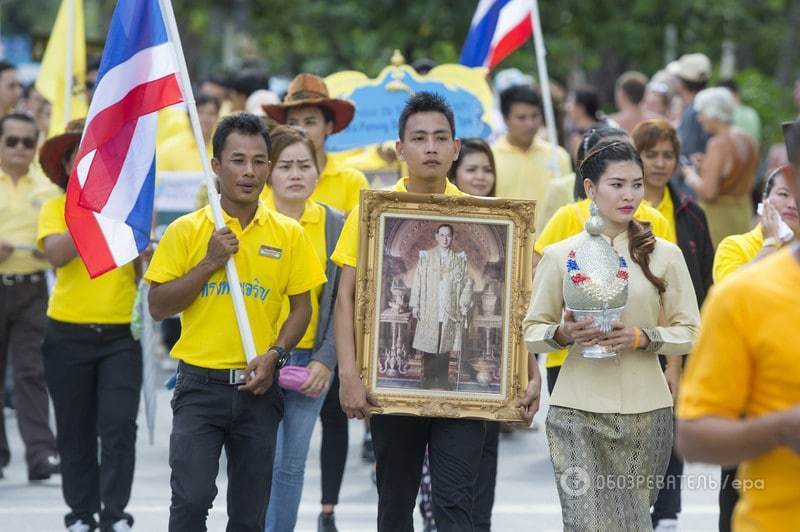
{"x":487,"y":479}
{"x":206,"y":416}
{"x":728,"y":497}
{"x":22,"y":326}
{"x":668,"y":502}
{"x":95,"y":378}
{"x":333,"y":448}
{"x":454,"y":446}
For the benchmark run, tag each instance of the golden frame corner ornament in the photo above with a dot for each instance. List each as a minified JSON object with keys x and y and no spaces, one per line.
{"x":377,"y":206}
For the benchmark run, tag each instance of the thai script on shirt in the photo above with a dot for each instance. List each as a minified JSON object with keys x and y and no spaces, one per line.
{"x":251,"y":289}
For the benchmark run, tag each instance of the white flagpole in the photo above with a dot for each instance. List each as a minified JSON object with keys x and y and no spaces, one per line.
{"x":68,"y":74}
{"x":544,"y":82}
{"x":245,"y":332}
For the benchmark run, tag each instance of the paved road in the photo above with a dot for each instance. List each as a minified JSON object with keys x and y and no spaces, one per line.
{"x":526,"y":497}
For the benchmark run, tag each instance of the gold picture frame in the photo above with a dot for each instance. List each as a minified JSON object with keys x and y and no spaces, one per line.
{"x":469,"y":291}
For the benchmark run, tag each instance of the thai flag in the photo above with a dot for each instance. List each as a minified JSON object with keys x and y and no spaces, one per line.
{"x":498,"y":28}
{"x":109,"y":207}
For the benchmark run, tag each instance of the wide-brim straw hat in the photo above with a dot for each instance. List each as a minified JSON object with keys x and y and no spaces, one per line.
{"x":52,"y":152}
{"x":308,"y":89}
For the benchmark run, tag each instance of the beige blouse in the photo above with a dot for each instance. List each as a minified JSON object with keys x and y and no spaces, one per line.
{"x":631,"y":382}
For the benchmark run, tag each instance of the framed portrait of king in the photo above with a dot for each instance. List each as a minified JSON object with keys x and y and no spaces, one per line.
{"x":443,"y":284}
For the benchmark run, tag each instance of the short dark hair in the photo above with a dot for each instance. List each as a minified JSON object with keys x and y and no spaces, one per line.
{"x":244,"y":123}
{"x":21,"y":117}
{"x":248,"y":81}
{"x":205,"y":99}
{"x":426,"y":102}
{"x":633,"y":85}
{"x":729,"y":84}
{"x":693,"y":86}
{"x":588,"y":98}
{"x":5,"y":65}
{"x":452,"y":231}
{"x":519,"y":94}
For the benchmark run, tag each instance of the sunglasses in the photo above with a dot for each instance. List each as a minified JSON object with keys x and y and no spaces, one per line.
{"x":28,"y":142}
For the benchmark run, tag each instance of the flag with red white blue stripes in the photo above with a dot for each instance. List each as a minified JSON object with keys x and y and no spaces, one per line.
{"x":109,"y":207}
{"x":498,"y":28}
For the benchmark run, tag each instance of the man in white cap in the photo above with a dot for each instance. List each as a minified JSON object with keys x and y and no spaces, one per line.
{"x":693,"y":72}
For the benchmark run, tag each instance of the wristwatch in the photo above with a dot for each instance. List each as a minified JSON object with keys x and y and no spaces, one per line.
{"x":283,"y":355}
{"x":772,"y":242}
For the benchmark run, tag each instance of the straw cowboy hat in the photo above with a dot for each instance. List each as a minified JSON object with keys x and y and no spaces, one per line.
{"x":308,"y":89}
{"x":52,"y":151}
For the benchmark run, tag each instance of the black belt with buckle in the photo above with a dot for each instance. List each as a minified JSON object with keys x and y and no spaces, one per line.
{"x":233,"y":376}
{"x":11,"y":279}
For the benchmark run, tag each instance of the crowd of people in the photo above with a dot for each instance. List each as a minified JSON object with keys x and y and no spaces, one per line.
{"x":673,"y":185}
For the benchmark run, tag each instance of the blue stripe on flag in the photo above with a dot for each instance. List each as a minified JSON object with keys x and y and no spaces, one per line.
{"x":140,"y":218}
{"x":135,"y":25}
{"x":479,"y":40}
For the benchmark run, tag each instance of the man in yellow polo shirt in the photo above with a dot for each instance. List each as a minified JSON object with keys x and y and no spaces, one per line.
{"x":523,"y":160}
{"x":308,"y":106}
{"x":220,"y":399}
{"x":428,"y":145}
{"x":23,"y":295}
{"x":740,"y":397}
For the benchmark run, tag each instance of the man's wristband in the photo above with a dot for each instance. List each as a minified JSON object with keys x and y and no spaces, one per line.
{"x":772,"y":242}
{"x":283,"y":356}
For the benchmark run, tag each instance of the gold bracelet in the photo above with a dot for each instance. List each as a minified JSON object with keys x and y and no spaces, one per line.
{"x":637,"y":337}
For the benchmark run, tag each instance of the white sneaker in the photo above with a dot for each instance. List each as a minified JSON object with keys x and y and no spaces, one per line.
{"x":78,"y":526}
{"x":121,"y":526}
{"x":666,"y":525}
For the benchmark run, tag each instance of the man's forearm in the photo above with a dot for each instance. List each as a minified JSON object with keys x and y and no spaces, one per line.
{"x":718,"y":440}
{"x":170,"y":298}
{"x":296,"y":322}
{"x":343,"y":324}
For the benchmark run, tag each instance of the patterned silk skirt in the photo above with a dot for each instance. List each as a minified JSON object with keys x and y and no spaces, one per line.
{"x":609,"y":467}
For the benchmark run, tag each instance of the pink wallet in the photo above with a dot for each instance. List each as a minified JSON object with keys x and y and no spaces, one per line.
{"x":293,"y":377}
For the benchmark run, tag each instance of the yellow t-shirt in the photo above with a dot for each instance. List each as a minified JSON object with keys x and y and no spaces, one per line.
{"x":667,"y":210}
{"x":346,"y":252}
{"x":275,"y":259}
{"x":746,"y":362}
{"x":19,"y":218}
{"x":569,"y":221}
{"x":525,"y":174}
{"x":313,"y":222}
{"x":338,"y":187}
{"x":179,"y":153}
{"x":76,"y":298}
{"x":735,"y":251}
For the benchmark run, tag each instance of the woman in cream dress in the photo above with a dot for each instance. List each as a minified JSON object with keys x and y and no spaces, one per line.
{"x":610,"y":422}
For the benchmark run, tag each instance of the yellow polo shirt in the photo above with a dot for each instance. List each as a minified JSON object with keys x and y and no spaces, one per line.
{"x":338,"y":187}
{"x":667,"y":209}
{"x":19,"y":218}
{"x":275,"y":259}
{"x":525,"y":174}
{"x":180,"y":154}
{"x":77,"y":298}
{"x":346,"y":252}
{"x":746,"y":362}
{"x":735,"y":251}
{"x":569,"y":221}
{"x":313,"y":223}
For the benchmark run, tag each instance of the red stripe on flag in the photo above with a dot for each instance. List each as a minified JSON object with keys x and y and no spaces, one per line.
{"x":86,"y":234}
{"x":511,"y":41}
{"x":141,"y":100}
{"x":106,"y":166}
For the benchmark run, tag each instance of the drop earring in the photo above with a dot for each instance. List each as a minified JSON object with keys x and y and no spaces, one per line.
{"x":594,"y":225}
